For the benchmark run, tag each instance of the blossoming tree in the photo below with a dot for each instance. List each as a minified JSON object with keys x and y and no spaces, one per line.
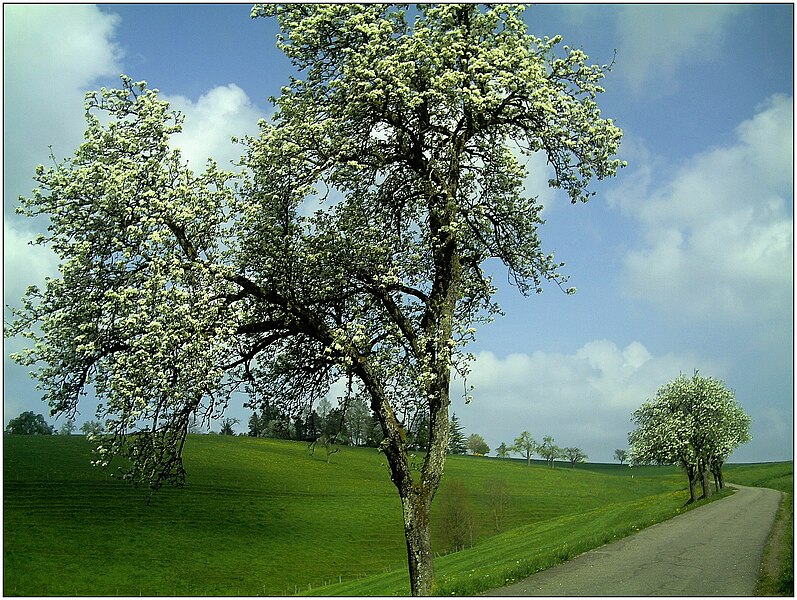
{"x":694,"y":422}
{"x":352,"y":244}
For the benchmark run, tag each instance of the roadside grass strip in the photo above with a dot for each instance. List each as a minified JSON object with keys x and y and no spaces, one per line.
{"x":511,"y":556}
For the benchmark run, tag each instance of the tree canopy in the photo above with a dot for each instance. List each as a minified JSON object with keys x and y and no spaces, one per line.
{"x":694,"y":422}
{"x":525,"y":446}
{"x":477,"y":445}
{"x":28,"y":423}
{"x":353,"y":242}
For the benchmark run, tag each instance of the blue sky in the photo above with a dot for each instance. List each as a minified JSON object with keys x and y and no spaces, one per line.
{"x":682,"y":262}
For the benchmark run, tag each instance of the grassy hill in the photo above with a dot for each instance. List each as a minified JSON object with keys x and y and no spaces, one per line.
{"x":263,"y":517}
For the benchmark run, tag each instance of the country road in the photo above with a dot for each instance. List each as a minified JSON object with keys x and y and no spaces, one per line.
{"x":714,"y":550}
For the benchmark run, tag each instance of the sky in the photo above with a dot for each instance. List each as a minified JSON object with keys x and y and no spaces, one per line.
{"x":684,"y":261}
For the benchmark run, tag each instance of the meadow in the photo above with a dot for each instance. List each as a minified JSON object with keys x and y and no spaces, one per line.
{"x":264,"y":517}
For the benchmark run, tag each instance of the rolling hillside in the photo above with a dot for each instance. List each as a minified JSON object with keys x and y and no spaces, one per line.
{"x":262,"y":516}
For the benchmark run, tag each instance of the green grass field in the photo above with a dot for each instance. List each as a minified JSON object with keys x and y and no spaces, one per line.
{"x":263,"y":517}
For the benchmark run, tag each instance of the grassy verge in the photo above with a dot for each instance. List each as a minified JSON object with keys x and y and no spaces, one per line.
{"x":523,"y":551}
{"x":777,"y":569}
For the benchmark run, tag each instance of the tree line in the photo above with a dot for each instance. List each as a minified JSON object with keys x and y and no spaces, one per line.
{"x":526,"y":446}
{"x":30,"y":423}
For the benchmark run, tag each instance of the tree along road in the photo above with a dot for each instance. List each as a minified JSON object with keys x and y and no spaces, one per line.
{"x":714,"y":550}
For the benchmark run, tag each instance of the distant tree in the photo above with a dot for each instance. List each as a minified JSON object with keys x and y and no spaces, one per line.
{"x":313,"y":426}
{"x":279,"y":427}
{"x":525,"y":446}
{"x":68,"y":427}
{"x":497,"y":493}
{"x":357,"y":420}
{"x":502,"y":451}
{"x":621,"y":455}
{"x":323,"y":408}
{"x":92,"y":428}
{"x":477,"y":445}
{"x":457,"y":443}
{"x":255,"y":427}
{"x":375,"y":432}
{"x":328,"y":443}
{"x":227,"y":426}
{"x":574,"y":455}
{"x":28,"y":423}
{"x":420,"y":431}
{"x":549,"y":451}
{"x":694,"y":422}
{"x":298,"y":428}
{"x":334,"y":425}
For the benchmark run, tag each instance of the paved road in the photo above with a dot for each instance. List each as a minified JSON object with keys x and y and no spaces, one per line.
{"x":714,"y":550}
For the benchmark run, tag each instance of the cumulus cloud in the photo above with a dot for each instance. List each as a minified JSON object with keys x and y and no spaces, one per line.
{"x":717,"y":238}
{"x":53,"y":55}
{"x":211,"y":122}
{"x":656,"y":40}
{"x":582,"y":399}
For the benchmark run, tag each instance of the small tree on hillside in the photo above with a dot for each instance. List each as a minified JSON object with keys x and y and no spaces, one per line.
{"x":227,"y":426}
{"x":525,"y":446}
{"x":28,"y":423}
{"x":68,"y":427}
{"x":458,"y":516}
{"x":497,"y":493}
{"x":92,"y":428}
{"x":574,"y":455}
{"x":621,"y":455}
{"x":503,"y":450}
{"x":457,"y":443}
{"x":477,"y":445}
{"x":549,"y":451}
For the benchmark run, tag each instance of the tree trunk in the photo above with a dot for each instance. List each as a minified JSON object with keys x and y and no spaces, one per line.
{"x":692,"y":490}
{"x":716,"y":469}
{"x":690,"y":473}
{"x":416,"y":508}
{"x":705,"y":483}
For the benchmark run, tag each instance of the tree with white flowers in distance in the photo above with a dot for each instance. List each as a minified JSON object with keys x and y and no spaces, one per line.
{"x":352,"y":244}
{"x":694,"y":422}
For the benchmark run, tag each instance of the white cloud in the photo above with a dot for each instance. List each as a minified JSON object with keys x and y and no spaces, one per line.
{"x":657,"y":39}
{"x":24,"y":264}
{"x":717,"y":238}
{"x":211,"y":121}
{"x":52,"y":55}
{"x":583,"y":399}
